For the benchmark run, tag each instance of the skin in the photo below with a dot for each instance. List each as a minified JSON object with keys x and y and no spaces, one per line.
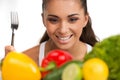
{"x":64,"y":21}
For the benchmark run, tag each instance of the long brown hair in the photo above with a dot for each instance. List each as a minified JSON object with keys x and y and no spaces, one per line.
{"x":87,"y":35}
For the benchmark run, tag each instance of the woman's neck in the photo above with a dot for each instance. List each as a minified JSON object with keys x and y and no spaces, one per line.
{"x":78,"y":50}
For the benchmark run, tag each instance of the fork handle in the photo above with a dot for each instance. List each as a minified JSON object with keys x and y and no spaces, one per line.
{"x":12,"y":40}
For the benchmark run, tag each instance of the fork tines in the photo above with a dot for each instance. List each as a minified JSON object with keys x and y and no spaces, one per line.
{"x":14,"y":20}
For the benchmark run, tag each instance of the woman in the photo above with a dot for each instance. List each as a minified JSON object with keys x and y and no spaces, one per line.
{"x":68,"y":27}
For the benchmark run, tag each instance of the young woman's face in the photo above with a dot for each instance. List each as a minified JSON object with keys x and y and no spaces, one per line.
{"x":64,"y":21}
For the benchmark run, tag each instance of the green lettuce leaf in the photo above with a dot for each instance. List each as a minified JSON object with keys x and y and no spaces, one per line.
{"x":109,"y":51}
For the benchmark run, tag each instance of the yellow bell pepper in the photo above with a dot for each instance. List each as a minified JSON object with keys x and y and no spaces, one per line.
{"x":18,"y":66}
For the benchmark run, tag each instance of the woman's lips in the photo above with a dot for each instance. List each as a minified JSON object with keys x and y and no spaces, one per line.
{"x":64,"y":39}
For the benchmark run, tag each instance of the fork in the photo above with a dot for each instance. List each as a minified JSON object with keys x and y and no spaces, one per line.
{"x":14,"y":25}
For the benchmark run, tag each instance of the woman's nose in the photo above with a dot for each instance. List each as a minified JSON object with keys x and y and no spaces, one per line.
{"x":63,"y":28}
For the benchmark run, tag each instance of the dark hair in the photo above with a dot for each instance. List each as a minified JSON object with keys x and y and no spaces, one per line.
{"x":87,"y":35}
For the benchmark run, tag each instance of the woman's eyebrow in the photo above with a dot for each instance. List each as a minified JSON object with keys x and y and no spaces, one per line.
{"x":58,"y":17}
{"x":72,"y":15}
{"x":53,"y":15}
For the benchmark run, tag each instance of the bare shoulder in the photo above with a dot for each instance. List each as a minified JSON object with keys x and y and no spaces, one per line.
{"x":34,"y":49}
{"x":33,"y":53}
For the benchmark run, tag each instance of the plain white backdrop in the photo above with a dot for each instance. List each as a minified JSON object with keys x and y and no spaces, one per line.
{"x":105,"y":15}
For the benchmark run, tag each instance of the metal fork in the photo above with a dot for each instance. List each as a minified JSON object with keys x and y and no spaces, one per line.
{"x":14,"y":25}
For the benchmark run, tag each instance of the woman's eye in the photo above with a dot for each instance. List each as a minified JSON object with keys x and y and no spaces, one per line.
{"x":73,"y":19}
{"x":52,"y":20}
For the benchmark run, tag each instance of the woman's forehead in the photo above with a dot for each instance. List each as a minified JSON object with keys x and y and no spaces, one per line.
{"x":66,"y":2}
{"x":63,"y":4}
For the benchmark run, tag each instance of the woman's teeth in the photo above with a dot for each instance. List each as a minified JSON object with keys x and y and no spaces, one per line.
{"x":64,"y":38}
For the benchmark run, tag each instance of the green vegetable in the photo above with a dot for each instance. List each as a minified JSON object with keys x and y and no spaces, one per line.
{"x":109,"y":51}
{"x":72,"y":72}
{"x":57,"y":73}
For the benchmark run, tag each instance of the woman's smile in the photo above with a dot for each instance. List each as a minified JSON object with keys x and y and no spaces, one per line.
{"x":64,"y":39}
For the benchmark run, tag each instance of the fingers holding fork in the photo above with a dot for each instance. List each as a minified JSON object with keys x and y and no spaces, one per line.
{"x":9,"y":49}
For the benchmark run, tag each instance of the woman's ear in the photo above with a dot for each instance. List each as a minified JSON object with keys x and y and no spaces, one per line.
{"x":86,"y":19}
{"x":43,"y":20}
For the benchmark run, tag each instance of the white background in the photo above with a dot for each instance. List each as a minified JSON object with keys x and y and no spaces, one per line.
{"x":105,"y":16}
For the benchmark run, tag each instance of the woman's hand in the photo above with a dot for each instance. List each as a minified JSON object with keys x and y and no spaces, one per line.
{"x":9,"y":49}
